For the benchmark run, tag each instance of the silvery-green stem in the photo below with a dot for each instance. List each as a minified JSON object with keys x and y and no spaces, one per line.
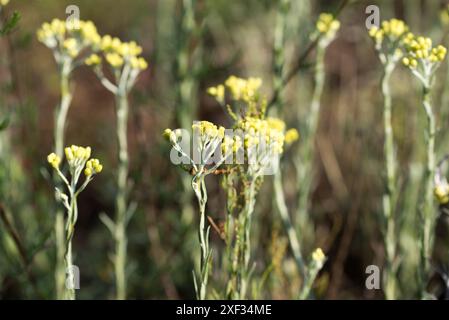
{"x":60,"y":120}
{"x":279,"y":52}
{"x":72,"y":215}
{"x":427,"y":210}
{"x":185,"y":91}
{"x":308,"y":281}
{"x":121,"y":200}
{"x":250,"y":199}
{"x":291,"y":232}
{"x":389,"y":196}
{"x":199,"y":187}
{"x":304,"y":163}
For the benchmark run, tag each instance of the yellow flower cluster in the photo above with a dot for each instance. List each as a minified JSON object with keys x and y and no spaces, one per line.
{"x":231,"y":144}
{"x":243,"y":89}
{"x":393,"y":30}
{"x":4,"y":2}
{"x":208,"y":131}
{"x":327,"y":25}
{"x":77,"y":157}
{"x":118,"y":53}
{"x":420,"y":49}
{"x":70,"y":39}
{"x":246,"y":90}
{"x":257,"y":131}
{"x":441,"y":193}
{"x":93,"y":166}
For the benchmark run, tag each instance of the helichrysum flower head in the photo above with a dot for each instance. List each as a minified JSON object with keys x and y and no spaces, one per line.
{"x":422,"y":58}
{"x":441,"y":193}
{"x":69,"y":40}
{"x":441,"y":189}
{"x":218,"y":92}
{"x":93,"y":60}
{"x":291,"y":136}
{"x":54,"y":160}
{"x":318,"y":257}
{"x":389,"y":39}
{"x":327,"y":26}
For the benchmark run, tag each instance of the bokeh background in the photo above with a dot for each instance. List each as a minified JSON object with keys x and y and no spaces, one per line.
{"x":232,"y":37}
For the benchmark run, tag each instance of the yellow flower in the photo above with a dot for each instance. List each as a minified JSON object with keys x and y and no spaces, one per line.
{"x":243,"y":89}
{"x":208,"y":131}
{"x":54,"y":160}
{"x":93,"y":166}
{"x":4,"y":2}
{"x":327,"y":25}
{"x":93,"y":60}
{"x":291,"y":136}
{"x":318,"y":256}
{"x":218,"y":92}
{"x":441,"y":193}
{"x":115,"y":60}
{"x":74,"y":154}
{"x":138,"y":63}
{"x":269,"y":131}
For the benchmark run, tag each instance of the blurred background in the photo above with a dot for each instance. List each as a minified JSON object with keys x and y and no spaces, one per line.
{"x":229,"y":37}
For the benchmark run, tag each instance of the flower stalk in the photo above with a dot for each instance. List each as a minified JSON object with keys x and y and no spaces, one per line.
{"x":423,"y":60}
{"x":123,"y":58}
{"x":388,"y":41}
{"x":78,"y":159}
{"x":68,"y":43}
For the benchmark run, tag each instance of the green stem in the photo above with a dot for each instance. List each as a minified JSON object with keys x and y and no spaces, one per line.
{"x":72,"y":215}
{"x":250,"y":198}
{"x":60,"y":120}
{"x":427,"y":211}
{"x":186,"y":94}
{"x":279,"y":53}
{"x":308,"y":282}
{"x":199,"y":187}
{"x":291,"y":232}
{"x":389,"y":196}
{"x":304,"y":163}
{"x":121,"y":200}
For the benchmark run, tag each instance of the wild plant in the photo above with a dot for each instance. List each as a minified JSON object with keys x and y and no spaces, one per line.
{"x":70,"y":43}
{"x":207,"y":139}
{"x":242,"y":181}
{"x":422,"y":59}
{"x":388,"y":41}
{"x":125,"y":63}
{"x":79,"y":161}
